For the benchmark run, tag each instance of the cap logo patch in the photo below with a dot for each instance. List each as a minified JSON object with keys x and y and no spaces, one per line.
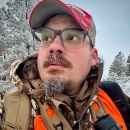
{"x":78,"y":10}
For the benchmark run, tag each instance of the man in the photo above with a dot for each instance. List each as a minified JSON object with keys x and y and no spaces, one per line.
{"x":62,"y":80}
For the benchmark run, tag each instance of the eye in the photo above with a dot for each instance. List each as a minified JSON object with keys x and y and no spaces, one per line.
{"x":72,"y":37}
{"x":46,"y":38}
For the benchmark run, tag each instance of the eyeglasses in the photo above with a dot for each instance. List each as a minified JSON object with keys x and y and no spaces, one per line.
{"x":70,"y":37}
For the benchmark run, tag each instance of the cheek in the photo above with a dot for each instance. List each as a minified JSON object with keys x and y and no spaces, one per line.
{"x":40,"y":60}
{"x":82,"y":64}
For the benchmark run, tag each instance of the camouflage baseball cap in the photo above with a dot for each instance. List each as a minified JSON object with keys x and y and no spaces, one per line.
{"x":47,"y":8}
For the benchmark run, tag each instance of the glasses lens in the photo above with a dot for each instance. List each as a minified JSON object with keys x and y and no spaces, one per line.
{"x":72,"y":38}
{"x":45,"y":36}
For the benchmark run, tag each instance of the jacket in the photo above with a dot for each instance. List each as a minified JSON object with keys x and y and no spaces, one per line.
{"x":85,"y":104}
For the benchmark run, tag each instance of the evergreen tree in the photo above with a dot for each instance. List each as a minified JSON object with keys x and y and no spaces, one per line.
{"x":15,"y":36}
{"x":119,"y":65}
{"x":128,"y":66}
{"x":2,"y":30}
{"x":17,"y":27}
{"x":117,"y":73}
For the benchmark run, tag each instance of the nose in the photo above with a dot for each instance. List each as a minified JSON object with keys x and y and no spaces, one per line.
{"x":57,"y":47}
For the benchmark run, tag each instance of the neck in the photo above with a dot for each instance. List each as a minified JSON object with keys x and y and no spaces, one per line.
{"x":74,"y":90}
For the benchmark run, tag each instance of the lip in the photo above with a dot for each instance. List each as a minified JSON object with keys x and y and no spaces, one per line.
{"x":54,"y":64}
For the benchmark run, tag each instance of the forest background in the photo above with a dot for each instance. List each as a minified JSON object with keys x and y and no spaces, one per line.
{"x":16,"y":42}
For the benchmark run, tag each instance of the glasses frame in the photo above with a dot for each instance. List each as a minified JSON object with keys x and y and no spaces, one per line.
{"x":59,"y":32}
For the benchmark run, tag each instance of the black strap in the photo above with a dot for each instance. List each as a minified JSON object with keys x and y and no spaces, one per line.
{"x":116,"y":94}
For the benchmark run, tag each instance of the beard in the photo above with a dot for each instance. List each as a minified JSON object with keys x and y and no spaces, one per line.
{"x":56,"y":85}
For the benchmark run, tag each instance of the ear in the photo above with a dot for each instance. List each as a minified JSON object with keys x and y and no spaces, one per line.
{"x":94,"y":56}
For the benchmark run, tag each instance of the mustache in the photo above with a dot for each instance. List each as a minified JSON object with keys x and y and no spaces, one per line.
{"x":57,"y":58}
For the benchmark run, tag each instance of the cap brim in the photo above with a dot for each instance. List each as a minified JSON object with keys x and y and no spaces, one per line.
{"x":44,"y":10}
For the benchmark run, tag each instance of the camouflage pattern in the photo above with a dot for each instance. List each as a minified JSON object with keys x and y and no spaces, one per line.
{"x":14,"y":78}
{"x":25,"y":84}
{"x":58,"y":100}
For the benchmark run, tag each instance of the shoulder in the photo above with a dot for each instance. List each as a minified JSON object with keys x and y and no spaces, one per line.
{"x":111,"y":108}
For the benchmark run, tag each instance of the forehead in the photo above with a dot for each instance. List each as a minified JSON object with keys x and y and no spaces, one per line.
{"x":62,"y":19}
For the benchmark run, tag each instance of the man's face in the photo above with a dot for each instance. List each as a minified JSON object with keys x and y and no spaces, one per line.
{"x":69,"y":65}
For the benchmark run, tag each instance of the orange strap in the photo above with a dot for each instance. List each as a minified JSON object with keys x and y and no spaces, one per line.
{"x":111,"y":108}
{"x":107,"y":102}
{"x":38,"y":122}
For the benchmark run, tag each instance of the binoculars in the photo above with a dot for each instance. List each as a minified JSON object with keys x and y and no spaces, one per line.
{"x":106,"y":123}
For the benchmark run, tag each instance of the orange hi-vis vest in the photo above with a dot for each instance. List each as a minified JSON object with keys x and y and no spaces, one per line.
{"x":107,"y":103}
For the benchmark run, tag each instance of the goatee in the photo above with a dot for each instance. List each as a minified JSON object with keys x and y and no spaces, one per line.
{"x":55,"y":85}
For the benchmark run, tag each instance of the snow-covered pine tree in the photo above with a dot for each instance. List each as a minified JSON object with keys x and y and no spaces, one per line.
{"x":117,"y":72}
{"x":128,"y":66}
{"x":15,"y":37}
{"x":17,"y":26}
{"x":119,"y":64}
{"x":2,"y":30}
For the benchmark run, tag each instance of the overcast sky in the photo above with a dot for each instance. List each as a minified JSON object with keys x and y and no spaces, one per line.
{"x":112,"y":19}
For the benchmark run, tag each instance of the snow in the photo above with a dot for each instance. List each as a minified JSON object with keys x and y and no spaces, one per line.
{"x":16,"y":41}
